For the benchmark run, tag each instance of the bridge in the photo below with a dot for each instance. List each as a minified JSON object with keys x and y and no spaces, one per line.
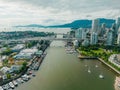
{"x":40,"y":38}
{"x":59,"y":33}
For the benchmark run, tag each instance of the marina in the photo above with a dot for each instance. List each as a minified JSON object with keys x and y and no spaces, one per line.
{"x":31,"y":70}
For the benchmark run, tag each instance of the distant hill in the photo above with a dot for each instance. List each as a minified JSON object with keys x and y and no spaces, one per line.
{"x":85,"y":23}
{"x":108,"y":22}
{"x":31,"y":25}
{"x":76,"y":24}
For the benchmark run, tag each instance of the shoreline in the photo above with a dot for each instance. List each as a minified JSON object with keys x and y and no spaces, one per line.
{"x":38,"y":60}
{"x":86,"y":57}
{"x":115,"y":70}
{"x":101,"y":60}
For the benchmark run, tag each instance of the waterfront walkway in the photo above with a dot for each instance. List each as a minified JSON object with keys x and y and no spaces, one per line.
{"x":118,"y":72}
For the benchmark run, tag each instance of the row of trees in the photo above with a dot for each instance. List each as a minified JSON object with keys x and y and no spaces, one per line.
{"x":95,"y":51}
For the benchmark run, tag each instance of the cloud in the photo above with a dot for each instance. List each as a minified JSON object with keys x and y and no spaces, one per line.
{"x":56,"y":11}
{"x":73,"y":5}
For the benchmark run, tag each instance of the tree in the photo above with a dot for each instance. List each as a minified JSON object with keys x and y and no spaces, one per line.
{"x":8,"y":51}
{"x":8,"y":76}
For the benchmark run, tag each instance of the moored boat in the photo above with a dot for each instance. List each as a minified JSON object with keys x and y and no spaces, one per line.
{"x":89,"y":71}
{"x":11,"y":85}
{"x":15,"y":83}
{"x":101,"y":76}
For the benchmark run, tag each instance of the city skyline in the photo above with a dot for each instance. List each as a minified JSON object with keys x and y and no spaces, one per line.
{"x":55,"y":12}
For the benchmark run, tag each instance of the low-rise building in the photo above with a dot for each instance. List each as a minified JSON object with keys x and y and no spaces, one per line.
{"x":26,"y":54}
{"x":115,"y":59}
{"x":3,"y":49}
{"x":5,"y":70}
{"x":85,"y":42}
{"x":39,"y":53}
{"x":76,"y":43}
{"x":15,"y":68}
{"x":1,"y":75}
{"x":18,"y":47}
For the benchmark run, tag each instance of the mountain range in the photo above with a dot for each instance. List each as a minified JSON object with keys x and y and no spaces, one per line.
{"x":75,"y":24}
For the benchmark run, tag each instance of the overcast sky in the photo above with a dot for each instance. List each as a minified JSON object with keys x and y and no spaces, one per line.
{"x":49,"y":12}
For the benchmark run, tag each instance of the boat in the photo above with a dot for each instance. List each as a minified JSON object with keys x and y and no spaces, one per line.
{"x":25,"y":77}
{"x":11,"y":85}
{"x":15,"y":83}
{"x":101,"y":76}
{"x":96,"y":66}
{"x":1,"y":88}
{"x":6,"y":86}
{"x":33,"y":75}
{"x":89,"y":70}
{"x":86,"y":65}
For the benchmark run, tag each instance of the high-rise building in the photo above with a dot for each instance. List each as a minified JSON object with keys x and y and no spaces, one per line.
{"x":85,"y":42}
{"x":103,"y":30}
{"x":119,"y":30}
{"x":84,"y":34}
{"x":78,"y":33}
{"x":117,"y":23}
{"x":94,"y":38}
{"x":115,"y":31}
{"x":95,"y":26}
{"x":118,"y":38}
{"x":109,"y":40}
{"x":76,"y":43}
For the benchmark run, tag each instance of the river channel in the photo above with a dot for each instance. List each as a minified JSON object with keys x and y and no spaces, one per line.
{"x":62,"y":71}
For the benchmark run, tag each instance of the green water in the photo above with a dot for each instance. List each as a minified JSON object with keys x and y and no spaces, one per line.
{"x":61,"y":71}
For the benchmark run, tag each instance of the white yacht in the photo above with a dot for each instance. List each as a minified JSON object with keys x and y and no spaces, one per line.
{"x":101,"y":76}
{"x":89,"y":70}
{"x":11,"y":85}
{"x":86,"y":65}
{"x":15,"y":83}
{"x":1,"y":88}
{"x":96,"y":66}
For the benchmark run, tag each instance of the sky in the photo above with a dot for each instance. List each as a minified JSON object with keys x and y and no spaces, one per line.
{"x":53,"y":12}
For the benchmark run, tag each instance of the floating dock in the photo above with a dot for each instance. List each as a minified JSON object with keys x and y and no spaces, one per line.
{"x":86,"y":57}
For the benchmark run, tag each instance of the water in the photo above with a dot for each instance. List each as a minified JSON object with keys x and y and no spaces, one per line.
{"x":61,"y":71}
{"x":56,"y":30}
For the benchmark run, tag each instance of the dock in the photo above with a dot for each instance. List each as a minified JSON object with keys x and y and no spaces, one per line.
{"x":86,"y":57}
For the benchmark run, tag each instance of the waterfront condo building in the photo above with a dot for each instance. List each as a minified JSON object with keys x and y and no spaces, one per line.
{"x":118,"y":38}
{"x":78,"y":33}
{"x":109,"y":40}
{"x":102,"y":30}
{"x":117,"y":23}
{"x":94,"y":38}
{"x":95,"y":26}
